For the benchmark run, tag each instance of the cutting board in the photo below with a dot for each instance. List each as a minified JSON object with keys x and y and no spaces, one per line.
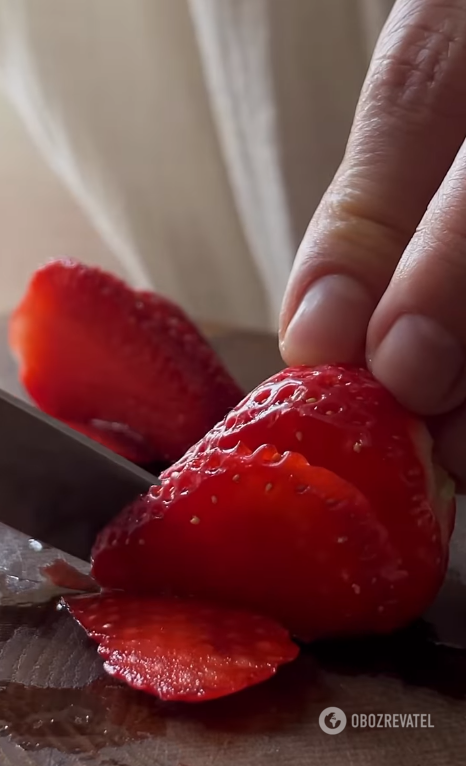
{"x":57,"y":708}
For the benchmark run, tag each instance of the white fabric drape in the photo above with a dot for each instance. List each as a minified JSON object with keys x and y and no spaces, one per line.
{"x":196,"y":135}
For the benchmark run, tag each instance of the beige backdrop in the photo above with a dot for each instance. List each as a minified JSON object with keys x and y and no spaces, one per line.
{"x":183,"y":143}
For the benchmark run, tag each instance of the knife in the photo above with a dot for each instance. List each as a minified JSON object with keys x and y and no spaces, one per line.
{"x":56,"y":485}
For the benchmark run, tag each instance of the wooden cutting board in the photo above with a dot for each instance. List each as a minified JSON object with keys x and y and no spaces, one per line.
{"x":57,"y":708}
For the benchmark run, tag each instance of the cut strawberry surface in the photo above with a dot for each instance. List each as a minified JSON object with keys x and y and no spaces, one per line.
{"x":126,"y":367}
{"x":350,"y":536}
{"x":263,"y":530}
{"x":341,"y":418}
{"x":182,"y":650}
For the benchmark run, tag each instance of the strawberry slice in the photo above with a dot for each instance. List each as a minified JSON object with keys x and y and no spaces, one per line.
{"x":182,"y":650}
{"x":118,"y":438}
{"x":349,"y":537}
{"x":267,"y":531}
{"x":125,"y":367}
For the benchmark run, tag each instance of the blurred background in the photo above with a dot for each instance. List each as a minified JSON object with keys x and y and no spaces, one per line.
{"x":183,"y":144}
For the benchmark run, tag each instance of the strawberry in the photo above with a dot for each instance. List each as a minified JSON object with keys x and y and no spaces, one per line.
{"x":125,"y":367}
{"x":349,"y":536}
{"x":182,"y":650}
{"x":341,"y":418}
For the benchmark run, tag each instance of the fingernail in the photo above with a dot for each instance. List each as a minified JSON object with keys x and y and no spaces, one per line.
{"x":421,"y":364}
{"x":330,"y":324}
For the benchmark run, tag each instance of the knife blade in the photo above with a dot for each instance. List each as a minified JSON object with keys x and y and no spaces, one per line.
{"x":56,"y":485}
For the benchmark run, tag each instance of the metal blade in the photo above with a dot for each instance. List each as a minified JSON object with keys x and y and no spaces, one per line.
{"x":55,"y":484}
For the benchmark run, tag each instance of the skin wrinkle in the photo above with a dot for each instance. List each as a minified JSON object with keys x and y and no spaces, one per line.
{"x":415,"y":289}
{"x":414,"y":60}
{"x":348,"y":203}
{"x":450,"y":259}
{"x":443,"y":234}
{"x":410,"y":90}
{"x":453,"y":186}
{"x":431,"y":69}
{"x":430,"y":277}
{"x":412,"y":14}
{"x":349,"y":228}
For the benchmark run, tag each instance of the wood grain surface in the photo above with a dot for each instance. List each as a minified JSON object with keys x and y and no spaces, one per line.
{"x":57,"y":708}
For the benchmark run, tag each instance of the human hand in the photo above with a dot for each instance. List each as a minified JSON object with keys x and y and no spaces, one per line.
{"x":381,"y":272}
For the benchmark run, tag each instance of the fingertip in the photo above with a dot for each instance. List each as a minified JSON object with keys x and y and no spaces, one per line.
{"x":330,"y":323}
{"x":421,"y":364}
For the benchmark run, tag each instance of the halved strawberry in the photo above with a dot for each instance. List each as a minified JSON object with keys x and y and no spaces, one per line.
{"x":351,"y":536}
{"x":341,"y":418}
{"x":126,"y":367}
{"x":275,"y":534}
{"x":182,"y":650}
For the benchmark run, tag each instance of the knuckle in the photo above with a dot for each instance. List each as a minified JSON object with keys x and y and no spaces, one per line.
{"x":453,"y":257}
{"x":447,"y":246}
{"x":362,"y":238}
{"x":364,"y":221}
{"x":419,"y":70}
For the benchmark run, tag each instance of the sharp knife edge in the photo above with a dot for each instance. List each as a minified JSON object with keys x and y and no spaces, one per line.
{"x":57,"y":485}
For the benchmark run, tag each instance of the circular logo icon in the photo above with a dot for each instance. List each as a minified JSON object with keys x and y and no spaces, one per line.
{"x":332,"y":720}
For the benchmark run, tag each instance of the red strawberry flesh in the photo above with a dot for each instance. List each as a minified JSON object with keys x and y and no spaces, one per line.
{"x":125,"y":367}
{"x":342,"y":538}
{"x":266,"y":531}
{"x":341,"y":418}
{"x":182,"y":650}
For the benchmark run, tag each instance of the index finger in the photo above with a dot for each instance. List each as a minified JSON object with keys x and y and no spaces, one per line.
{"x":409,"y":125}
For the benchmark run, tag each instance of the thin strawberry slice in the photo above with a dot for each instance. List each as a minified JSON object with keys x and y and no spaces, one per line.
{"x":62,"y":574}
{"x":269,"y":532}
{"x":118,"y":438}
{"x":187,"y":651}
{"x":126,"y":367}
